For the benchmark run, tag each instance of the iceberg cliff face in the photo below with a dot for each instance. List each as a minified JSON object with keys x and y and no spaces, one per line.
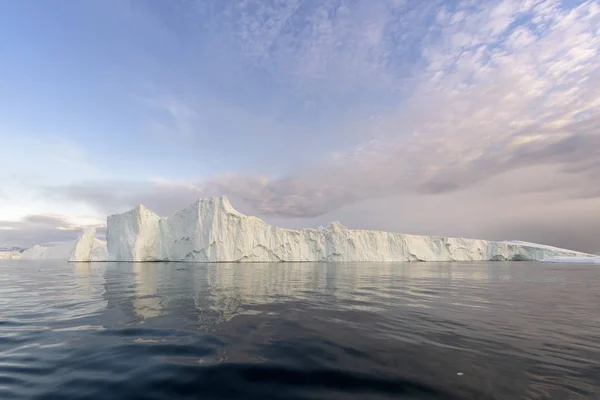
{"x":134,"y":236}
{"x":211,"y":230}
{"x":85,"y":249}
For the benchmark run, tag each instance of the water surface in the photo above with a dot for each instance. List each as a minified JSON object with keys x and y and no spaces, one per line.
{"x":296,"y":331}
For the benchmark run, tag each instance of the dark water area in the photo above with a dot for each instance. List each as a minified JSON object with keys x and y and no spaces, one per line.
{"x":299,"y":331}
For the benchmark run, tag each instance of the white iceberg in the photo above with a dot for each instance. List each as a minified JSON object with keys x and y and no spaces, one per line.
{"x":211,"y":230}
{"x":61,"y":251}
{"x":85,"y":249}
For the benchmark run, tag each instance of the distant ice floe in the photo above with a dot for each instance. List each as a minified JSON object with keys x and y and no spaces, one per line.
{"x":578,"y":260}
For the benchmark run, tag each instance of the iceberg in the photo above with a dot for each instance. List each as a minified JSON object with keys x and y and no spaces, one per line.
{"x":85,"y":249}
{"x":211,"y":230}
{"x":59,"y":252}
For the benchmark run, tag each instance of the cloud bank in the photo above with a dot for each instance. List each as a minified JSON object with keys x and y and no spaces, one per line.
{"x":40,"y":229}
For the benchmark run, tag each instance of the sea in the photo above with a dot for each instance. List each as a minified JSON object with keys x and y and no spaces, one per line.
{"x":498,"y":330}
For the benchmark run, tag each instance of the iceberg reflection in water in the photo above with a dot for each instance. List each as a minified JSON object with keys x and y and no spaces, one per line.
{"x":298,"y":330}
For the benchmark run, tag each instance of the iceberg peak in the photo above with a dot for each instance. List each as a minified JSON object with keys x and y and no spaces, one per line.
{"x":337,"y":226}
{"x":221,"y":203}
{"x":212,"y":230}
{"x":87,"y":248}
{"x":225,"y":203}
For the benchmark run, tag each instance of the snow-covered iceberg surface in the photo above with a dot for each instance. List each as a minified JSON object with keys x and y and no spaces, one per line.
{"x":211,"y":230}
{"x":86,"y":248}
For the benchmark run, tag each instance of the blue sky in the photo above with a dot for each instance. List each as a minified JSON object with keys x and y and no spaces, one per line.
{"x":465,"y":118}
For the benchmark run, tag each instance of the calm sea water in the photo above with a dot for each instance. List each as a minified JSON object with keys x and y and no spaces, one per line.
{"x":295,"y":331}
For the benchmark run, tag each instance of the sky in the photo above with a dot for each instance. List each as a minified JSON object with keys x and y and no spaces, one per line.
{"x":469,"y":118}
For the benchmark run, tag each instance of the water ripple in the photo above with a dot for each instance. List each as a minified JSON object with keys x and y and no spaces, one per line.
{"x":297,"y":331}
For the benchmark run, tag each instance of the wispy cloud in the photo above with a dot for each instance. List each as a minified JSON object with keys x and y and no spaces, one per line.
{"x":343,"y":45}
{"x":502,"y":85}
{"x":171,"y":118}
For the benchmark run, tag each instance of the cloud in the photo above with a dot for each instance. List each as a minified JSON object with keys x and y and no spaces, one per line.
{"x":171,"y":117}
{"x":48,"y":220}
{"x":40,"y":229}
{"x":344,"y":46}
{"x":371,"y":172}
{"x":500,"y":89}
